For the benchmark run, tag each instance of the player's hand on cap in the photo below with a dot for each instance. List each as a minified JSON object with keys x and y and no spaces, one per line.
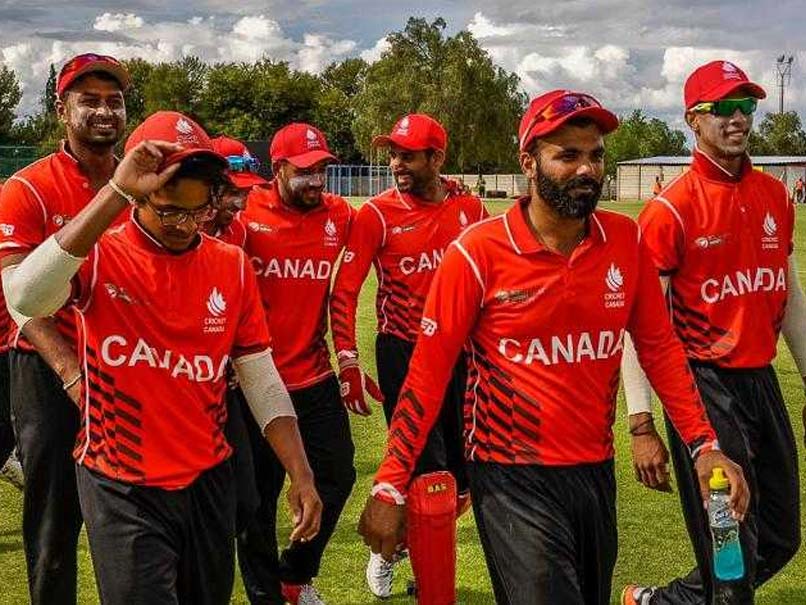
{"x":383,"y":525}
{"x":739,"y":490}
{"x":355,"y":384}
{"x":649,"y":454}
{"x":139,"y":174}
{"x":306,"y":508}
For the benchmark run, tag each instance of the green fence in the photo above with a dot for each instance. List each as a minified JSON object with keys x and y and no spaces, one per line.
{"x":12,"y":158}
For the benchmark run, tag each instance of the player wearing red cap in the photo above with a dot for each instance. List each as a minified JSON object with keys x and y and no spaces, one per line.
{"x":35,"y":203}
{"x":295,"y":233}
{"x":721,"y":236}
{"x":403,"y":232}
{"x":542,"y":296}
{"x":161,"y":310}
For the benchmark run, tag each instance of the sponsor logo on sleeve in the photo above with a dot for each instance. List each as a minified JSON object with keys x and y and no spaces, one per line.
{"x":428,"y":326}
{"x":6,"y":229}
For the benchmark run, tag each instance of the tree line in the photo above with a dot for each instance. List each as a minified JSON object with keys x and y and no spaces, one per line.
{"x":424,"y":69}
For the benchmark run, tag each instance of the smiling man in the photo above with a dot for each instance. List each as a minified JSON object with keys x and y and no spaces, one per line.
{"x":404,"y":232}
{"x":721,"y":237}
{"x":35,"y":203}
{"x":542,"y":296}
{"x":162,"y":308}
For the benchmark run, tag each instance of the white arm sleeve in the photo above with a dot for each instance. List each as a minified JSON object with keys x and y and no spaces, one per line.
{"x":263,"y":388}
{"x":794,"y":325}
{"x":40,"y":284}
{"x":637,"y":390}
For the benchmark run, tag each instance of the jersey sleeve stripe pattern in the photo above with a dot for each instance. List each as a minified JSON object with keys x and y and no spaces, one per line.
{"x":380,"y":218}
{"x":33,"y":190}
{"x":674,"y":211}
{"x":472,"y":264}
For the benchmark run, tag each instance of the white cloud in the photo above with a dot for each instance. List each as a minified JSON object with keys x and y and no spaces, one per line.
{"x":248,"y":39}
{"x":371,"y":55}
{"x":109,"y":22}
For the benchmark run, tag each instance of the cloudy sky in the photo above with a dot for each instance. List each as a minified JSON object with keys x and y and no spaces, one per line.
{"x":630,"y":53}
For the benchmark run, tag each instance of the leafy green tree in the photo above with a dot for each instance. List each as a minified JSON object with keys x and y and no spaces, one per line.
{"x":175,"y":86}
{"x":10,"y":95}
{"x":639,"y":136}
{"x":780,"y":134}
{"x":451,"y":78}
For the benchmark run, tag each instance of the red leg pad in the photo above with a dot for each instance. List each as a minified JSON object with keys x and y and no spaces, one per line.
{"x":431,"y":533}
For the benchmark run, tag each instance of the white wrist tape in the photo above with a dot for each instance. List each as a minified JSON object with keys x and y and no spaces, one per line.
{"x":637,"y":390}
{"x":40,"y":284}
{"x":794,"y":324}
{"x":263,"y":388}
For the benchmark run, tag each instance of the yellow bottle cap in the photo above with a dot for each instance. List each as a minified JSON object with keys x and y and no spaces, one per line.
{"x":718,"y":479}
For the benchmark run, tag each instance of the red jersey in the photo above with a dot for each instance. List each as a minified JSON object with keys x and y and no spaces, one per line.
{"x":234,"y":233}
{"x":5,"y":318}
{"x":293,"y":253}
{"x":405,"y":238}
{"x":35,"y":203}
{"x":544,"y":335}
{"x":156,"y":330}
{"x":724,"y":242}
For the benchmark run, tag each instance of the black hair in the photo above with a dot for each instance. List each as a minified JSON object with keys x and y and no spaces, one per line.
{"x":204,"y":167}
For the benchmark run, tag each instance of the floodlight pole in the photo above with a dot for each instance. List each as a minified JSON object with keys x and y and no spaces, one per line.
{"x":783,"y":66}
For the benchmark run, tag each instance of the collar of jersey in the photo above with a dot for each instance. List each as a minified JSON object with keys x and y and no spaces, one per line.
{"x":137,"y":234}
{"x":706,"y":166}
{"x":408,"y":200}
{"x":66,"y":157}
{"x":525,"y":242}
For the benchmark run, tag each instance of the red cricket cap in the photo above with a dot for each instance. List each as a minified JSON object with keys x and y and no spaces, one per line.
{"x":174,"y":127}
{"x":716,"y":80}
{"x":415,"y":132}
{"x":549,"y":111}
{"x":300,"y":144}
{"x":87,"y":63}
{"x":243,"y":179}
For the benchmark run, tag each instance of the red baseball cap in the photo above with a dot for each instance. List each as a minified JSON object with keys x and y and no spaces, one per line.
{"x":90,"y":62}
{"x":174,"y":127}
{"x":716,"y":80}
{"x":415,"y":132}
{"x":548,"y":112}
{"x":300,"y":144}
{"x":242,"y":174}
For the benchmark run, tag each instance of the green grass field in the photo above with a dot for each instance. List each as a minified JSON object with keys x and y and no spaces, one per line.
{"x":653,"y":544}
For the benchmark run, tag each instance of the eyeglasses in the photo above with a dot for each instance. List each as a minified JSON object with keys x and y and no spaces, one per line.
{"x":727,"y":107}
{"x":558,"y":108}
{"x":241,"y":163}
{"x":172,"y":218}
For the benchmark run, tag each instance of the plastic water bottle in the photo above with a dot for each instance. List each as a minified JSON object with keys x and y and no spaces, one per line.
{"x":728,"y":560}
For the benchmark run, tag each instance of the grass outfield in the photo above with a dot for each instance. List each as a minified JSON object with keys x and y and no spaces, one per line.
{"x":653,"y":544}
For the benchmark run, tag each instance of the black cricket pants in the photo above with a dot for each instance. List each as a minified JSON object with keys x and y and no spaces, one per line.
{"x":46,"y":423}
{"x":325,"y":430}
{"x":750,"y":418}
{"x":6,"y":429}
{"x":152,"y":546}
{"x":444,"y":449}
{"x":237,"y":434}
{"x":549,"y":533}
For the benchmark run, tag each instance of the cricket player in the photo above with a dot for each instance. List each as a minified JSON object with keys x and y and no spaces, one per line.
{"x":10,"y":468}
{"x":721,"y":237}
{"x":36,"y":202}
{"x":404,"y":232}
{"x":295,"y":233}
{"x":542,"y":296}
{"x":161,"y":309}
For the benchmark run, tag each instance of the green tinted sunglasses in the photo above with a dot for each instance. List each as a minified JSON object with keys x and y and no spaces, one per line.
{"x":727,"y":107}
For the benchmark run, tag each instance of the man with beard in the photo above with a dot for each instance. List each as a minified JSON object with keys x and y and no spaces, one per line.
{"x":403,"y":232}
{"x":35,"y":203}
{"x":542,"y":296}
{"x":295,"y":233}
{"x":721,"y":237}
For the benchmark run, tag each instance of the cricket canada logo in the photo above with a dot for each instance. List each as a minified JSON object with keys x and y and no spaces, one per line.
{"x":614,"y":280}
{"x":217,"y":308}
{"x":730,"y":71}
{"x":312,"y":140}
{"x":769,"y":241}
{"x":331,"y":233}
{"x":403,"y":127}
{"x":185,"y":132}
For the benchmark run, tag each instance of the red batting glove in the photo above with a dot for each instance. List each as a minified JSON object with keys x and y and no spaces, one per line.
{"x":354,"y":382}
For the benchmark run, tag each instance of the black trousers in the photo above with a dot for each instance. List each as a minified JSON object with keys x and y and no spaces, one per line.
{"x":237,"y":435}
{"x":748,"y":413}
{"x":325,"y":430}
{"x":444,"y":449}
{"x":6,"y":430}
{"x":46,"y":423}
{"x":549,"y":534}
{"x":152,"y":546}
